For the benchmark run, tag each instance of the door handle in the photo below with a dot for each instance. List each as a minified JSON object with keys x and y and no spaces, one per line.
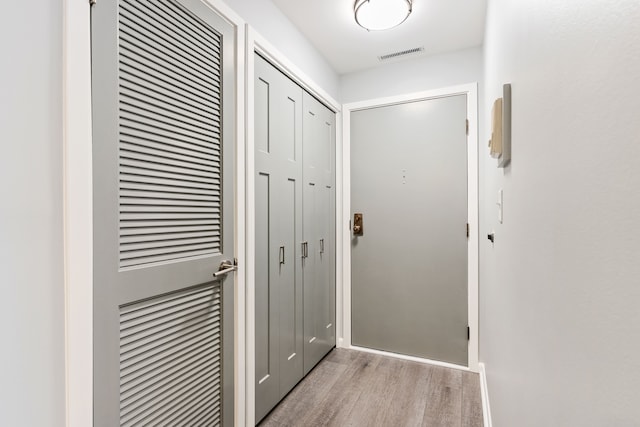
{"x":321,"y":246}
{"x":226,"y":267}
{"x":358,"y":229}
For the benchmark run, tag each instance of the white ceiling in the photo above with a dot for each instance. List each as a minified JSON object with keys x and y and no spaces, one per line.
{"x":437,"y":25}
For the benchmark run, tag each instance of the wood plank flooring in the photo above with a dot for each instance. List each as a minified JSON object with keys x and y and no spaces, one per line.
{"x":353,"y":388}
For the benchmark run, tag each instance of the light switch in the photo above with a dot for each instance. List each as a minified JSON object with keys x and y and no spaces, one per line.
{"x":499,"y":203}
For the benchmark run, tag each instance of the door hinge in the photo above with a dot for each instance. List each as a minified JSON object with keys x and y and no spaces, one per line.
{"x":467,"y":126}
{"x":467,"y":229}
{"x":468,"y":334}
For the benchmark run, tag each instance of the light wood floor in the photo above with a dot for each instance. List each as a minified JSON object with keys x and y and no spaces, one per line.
{"x":352,"y":388}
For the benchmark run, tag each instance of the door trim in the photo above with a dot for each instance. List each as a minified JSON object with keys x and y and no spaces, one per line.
{"x":343,"y":286}
{"x":78,"y":211}
{"x":258,"y":44}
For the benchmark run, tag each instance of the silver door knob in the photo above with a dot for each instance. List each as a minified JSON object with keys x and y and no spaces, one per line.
{"x":226,"y":267}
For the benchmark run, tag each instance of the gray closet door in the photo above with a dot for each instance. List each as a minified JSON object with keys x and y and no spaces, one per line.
{"x":163,"y":115}
{"x":278,"y":281}
{"x":319,"y":231}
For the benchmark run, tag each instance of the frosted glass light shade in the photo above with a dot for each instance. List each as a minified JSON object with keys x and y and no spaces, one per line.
{"x":377,"y":15}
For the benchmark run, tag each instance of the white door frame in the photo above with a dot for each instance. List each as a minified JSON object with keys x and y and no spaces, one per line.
{"x":78,"y":211}
{"x":257,"y":44}
{"x":344,"y":285}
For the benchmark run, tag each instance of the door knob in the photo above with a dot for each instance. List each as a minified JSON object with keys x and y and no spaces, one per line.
{"x":357,"y":225}
{"x":225,"y":268}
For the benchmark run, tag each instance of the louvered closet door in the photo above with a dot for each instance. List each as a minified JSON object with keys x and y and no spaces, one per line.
{"x":163,"y":116}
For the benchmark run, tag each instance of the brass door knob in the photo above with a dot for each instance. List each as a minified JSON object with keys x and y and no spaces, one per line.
{"x":357,"y":225}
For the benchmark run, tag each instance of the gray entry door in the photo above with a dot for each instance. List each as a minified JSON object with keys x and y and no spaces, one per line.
{"x":409,"y":268}
{"x":163,"y":118}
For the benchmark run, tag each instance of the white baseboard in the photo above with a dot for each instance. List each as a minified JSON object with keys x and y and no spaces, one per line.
{"x":484,"y":393}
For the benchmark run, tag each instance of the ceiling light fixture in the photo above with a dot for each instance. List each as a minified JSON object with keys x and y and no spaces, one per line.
{"x":377,"y":15}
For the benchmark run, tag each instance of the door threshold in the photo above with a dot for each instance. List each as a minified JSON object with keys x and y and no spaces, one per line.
{"x":410,"y":358}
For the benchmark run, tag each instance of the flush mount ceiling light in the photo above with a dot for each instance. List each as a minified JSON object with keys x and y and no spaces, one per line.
{"x":377,"y":15}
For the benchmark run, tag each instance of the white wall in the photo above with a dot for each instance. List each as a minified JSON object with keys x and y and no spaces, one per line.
{"x":413,"y":75}
{"x":560,"y":290}
{"x":274,"y":26}
{"x":32,"y":389}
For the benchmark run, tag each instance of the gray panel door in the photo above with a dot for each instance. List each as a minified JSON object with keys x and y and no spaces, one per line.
{"x":163,"y":115}
{"x":278,"y":281}
{"x":319,"y":230}
{"x":409,"y":269}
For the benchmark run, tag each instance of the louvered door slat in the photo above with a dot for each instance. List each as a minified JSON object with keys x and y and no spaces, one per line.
{"x":161,"y":150}
{"x":194,"y":28}
{"x":190,"y":339}
{"x":149,"y":55}
{"x":168,"y":146}
{"x":143,"y":232}
{"x":146,"y":35}
{"x":172,"y":252}
{"x":149,"y":174}
{"x":166,"y":236}
{"x":164,"y":56}
{"x":163,"y":320}
{"x":160,"y":245}
{"x":150,"y":130}
{"x":156,"y":369}
{"x":167,"y":74}
{"x":168,"y":99}
{"x":157,"y":196}
{"x":149,"y":340}
{"x":162,"y":122}
{"x":158,"y":387}
{"x":176,"y":38}
{"x":167,"y":112}
{"x":170,"y":357}
{"x":157,"y":202}
{"x":127,"y":186}
{"x":133,"y":165}
{"x":129,"y":156}
{"x":152,"y":53}
{"x":156,"y":308}
{"x":127,"y":217}
{"x":133,"y":83}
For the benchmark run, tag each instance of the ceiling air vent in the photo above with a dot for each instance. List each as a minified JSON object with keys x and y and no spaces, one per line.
{"x":393,"y":55}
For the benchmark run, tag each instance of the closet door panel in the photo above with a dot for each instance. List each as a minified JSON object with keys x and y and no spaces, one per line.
{"x":326,"y":221}
{"x":288,"y":119}
{"x":311,"y":283}
{"x":267,"y":366}
{"x":319,"y":288}
{"x":278,"y":144}
{"x":327,"y":267}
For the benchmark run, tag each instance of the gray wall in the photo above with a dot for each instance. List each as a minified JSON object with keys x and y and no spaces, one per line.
{"x":413,"y":75}
{"x":560,"y":290}
{"x":271,"y":23}
{"x":32,"y":389}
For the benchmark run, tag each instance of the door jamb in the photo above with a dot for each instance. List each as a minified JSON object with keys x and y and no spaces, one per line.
{"x":258,"y":44}
{"x":344,"y":286}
